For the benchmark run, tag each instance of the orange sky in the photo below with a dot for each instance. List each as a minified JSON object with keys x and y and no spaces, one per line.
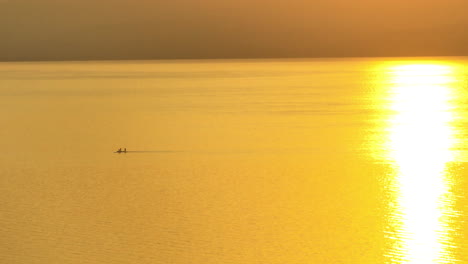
{"x":164,"y":29}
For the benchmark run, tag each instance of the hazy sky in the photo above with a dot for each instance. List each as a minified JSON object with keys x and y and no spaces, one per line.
{"x":165,"y":29}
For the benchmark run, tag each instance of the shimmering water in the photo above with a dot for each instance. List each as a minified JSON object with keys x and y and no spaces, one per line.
{"x":248,"y":161}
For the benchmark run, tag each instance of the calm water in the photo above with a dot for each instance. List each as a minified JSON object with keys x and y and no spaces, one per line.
{"x":274,"y":161}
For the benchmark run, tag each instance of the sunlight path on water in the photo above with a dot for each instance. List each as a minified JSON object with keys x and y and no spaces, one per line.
{"x":420,"y":142}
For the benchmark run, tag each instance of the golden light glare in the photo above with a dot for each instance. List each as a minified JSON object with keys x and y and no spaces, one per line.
{"x":419,"y":143}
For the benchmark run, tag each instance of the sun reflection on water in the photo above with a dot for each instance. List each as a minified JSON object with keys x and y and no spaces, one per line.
{"x":420,"y":142}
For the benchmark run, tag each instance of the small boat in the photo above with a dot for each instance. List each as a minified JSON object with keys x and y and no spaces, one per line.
{"x":121,"y":151}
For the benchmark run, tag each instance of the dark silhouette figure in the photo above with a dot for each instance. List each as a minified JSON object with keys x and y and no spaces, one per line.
{"x":121,"y":151}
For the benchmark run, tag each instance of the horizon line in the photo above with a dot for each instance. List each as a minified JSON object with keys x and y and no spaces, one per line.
{"x":231,"y":58}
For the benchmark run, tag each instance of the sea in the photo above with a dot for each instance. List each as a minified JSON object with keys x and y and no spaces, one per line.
{"x":273,"y":161}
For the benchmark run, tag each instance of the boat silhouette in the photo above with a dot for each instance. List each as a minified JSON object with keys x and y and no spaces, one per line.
{"x":121,"y":151}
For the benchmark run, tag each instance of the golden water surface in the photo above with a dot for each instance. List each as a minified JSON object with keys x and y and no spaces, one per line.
{"x":242,"y":161}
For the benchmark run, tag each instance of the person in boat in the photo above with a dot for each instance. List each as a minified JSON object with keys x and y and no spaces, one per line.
{"x":125,"y":150}
{"x":120,"y":150}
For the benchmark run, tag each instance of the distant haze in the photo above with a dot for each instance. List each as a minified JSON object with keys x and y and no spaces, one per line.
{"x":192,"y":29}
